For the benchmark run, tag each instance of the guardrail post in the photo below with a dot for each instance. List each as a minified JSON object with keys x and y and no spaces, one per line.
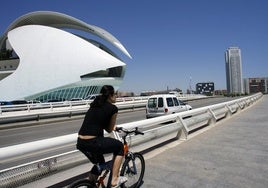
{"x":213,"y":120}
{"x":242,"y":104}
{"x":229,"y":111}
{"x":183,"y":132}
{"x":28,"y":108}
{"x":238,"y":107}
{"x":248,"y":102}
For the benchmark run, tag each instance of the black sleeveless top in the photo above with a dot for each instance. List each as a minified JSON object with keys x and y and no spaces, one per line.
{"x":97,"y":119}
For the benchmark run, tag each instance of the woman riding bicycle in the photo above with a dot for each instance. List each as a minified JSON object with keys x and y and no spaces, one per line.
{"x":102,"y":116}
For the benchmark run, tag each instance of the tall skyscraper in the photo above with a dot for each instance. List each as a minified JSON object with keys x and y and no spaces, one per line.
{"x":233,"y":66}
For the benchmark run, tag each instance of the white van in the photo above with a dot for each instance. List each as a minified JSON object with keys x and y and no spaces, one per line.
{"x":159,"y":105}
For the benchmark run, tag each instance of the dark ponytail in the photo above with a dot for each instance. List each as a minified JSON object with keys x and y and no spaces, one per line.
{"x":105,"y":92}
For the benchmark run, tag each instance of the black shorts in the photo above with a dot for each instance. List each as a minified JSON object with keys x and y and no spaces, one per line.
{"x":96,"y":147}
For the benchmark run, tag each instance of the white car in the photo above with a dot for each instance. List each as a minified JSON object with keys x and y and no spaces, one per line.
{"x":163,"y":104}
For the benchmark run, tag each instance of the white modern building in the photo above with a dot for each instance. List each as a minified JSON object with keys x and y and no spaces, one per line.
{"x":233,"y":64}
{"x":51,"y":62}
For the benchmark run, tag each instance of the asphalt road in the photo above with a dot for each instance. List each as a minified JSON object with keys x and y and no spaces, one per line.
{"x":29,"y":133}
{"x":9,"y":137}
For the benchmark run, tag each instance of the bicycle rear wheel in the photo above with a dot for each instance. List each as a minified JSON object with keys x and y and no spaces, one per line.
{"x":84,"y":183}
{"x":133,"y":168}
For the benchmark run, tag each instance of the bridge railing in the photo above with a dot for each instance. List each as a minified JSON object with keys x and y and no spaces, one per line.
{"x":157,"y":130}
{"x":67,"y":109}
{"x":38,"y":111}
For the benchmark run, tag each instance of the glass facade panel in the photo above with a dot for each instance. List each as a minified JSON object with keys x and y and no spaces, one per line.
{"x":69,"y":93}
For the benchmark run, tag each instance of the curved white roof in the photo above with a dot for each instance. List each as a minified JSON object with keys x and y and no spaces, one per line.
{"x":59,"y":20}
{"x":51,"y":58}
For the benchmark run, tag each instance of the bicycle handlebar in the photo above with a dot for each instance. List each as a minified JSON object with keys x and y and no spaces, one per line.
{"x":136,"y":130}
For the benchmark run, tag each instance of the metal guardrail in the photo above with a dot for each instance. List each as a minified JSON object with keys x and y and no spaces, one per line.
{"x":68,"y":109}
{"x":39,"y":111}
{"x":156,"y":130}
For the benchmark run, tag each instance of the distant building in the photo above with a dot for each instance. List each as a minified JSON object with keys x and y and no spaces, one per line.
{"x":220,"y":92}
{"x":233,"y":64}
{"x":255,"y":85}
{"x":205,"y":88}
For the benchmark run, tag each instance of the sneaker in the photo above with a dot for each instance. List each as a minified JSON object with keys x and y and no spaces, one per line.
{"x":120,"y":181}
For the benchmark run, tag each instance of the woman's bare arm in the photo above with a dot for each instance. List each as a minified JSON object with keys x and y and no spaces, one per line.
{"x":112,"y":123}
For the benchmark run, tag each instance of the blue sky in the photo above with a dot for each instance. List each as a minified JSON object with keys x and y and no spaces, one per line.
{"x":171,"y":41}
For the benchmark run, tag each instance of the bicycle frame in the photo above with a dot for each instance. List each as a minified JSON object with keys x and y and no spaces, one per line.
{"x":128,"y":166}
{"x":123,"y":140}
{"x":127,"y":153}
{"x":108,"y":168}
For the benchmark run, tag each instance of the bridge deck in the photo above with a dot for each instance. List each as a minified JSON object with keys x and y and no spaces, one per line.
{"x":232,"y":154}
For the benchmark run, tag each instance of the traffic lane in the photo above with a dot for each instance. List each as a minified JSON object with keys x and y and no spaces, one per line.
{"x":31,"y":133}
{"x":9,"y":137}
{"x":41,"y":154}
{"x":55,"y":127}
{"x":11,"y":162}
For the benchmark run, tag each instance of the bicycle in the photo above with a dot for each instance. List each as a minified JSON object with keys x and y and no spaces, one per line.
{"x":133,"y":166}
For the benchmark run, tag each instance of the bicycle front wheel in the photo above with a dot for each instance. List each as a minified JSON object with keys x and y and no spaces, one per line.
{"x":133,"y":168}
{"x":84,"y":183}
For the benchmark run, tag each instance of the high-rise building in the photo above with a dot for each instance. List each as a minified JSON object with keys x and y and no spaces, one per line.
{"x":233,"y":65}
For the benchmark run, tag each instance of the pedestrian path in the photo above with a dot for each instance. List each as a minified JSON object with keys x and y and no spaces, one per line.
{"x":233,"y":154}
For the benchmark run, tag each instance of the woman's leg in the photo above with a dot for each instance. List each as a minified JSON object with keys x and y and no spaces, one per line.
{"x":111,"y":145}
{"x":116,"y":167}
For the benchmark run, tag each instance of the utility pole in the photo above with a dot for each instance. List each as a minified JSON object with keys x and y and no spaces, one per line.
{"x":190,"y":85}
